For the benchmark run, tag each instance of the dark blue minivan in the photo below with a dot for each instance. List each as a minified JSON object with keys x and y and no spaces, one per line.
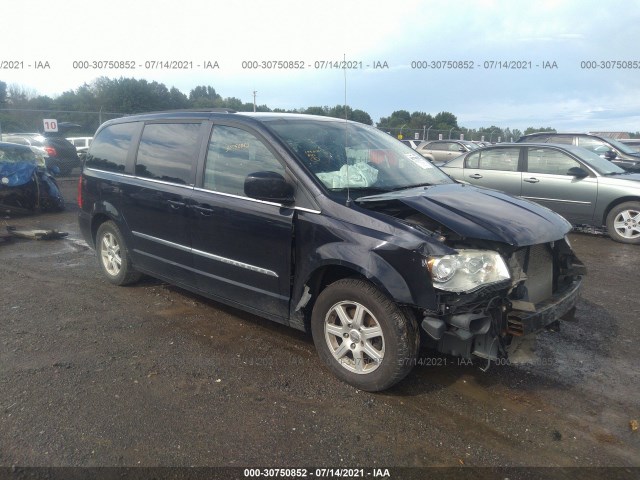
{"x":328,"y":226}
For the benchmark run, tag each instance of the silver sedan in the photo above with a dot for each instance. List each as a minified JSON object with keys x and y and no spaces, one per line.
{"x":572,"y":181}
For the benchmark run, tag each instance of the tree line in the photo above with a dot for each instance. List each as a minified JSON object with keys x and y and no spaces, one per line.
{"x":104,"y":98}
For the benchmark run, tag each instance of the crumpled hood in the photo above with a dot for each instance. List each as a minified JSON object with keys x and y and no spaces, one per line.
{"x":482,"y":213}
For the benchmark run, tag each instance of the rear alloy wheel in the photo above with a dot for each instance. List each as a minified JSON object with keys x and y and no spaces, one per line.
{"x":113,"y":255}
{"x":363,"y":336}
{"x":623,"y":223}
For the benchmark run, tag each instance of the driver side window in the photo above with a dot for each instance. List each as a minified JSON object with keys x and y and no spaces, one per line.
{"x":233,"y":154}
{"x":545,"y":160}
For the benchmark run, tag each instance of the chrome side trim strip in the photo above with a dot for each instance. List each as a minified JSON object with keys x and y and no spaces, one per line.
{"x":557,"y":200}
{"x":239,"y":197}
{"x":225,"y":280}
{"x":162,"y":242}
{"x":210,"y":256}
{"x":162,"y":182}
{"x":118,"y":174}
{"x":308,"y":210}
{"x":235,"y":263}
{"x":152,"y":180}
{"x":255,"y":200}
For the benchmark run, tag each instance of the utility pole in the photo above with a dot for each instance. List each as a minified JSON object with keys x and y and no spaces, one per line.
{"x":254,"y":100}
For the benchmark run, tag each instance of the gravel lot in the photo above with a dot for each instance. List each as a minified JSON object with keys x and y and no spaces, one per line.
{"x":150,"y":375}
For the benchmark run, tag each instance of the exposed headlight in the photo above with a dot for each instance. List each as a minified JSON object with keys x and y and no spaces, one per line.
{"x":467,"y":270}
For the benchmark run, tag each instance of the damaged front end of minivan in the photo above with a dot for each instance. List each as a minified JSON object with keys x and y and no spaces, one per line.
{"x":506,"y":273}
{"x":488,"y":297}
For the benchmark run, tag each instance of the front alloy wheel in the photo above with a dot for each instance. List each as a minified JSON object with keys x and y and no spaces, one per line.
{"x":363,"y":336}
{"x":354,"y":337}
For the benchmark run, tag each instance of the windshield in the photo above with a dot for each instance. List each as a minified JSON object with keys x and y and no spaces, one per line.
{"x":622,"y":147}
{"x":352,"y":155}
{"x":595,"y":161}
{"x":10,"y":154}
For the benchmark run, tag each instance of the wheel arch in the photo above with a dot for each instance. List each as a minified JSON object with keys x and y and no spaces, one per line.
{"x":391,"y":284}
{"x":104,"y":212}
{"x":615,"y":203}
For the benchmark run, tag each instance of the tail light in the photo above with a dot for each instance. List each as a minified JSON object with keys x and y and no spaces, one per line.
{"x":51,"y":151}
{"x":80,"y":192}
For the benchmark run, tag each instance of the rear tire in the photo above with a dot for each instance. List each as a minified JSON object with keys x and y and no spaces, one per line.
{"x":363,"y":336}
{"x":113,"y":255}
{"x":623,"y":223}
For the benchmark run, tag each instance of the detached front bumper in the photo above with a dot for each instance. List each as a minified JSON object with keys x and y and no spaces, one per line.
{"x":526,"y":319}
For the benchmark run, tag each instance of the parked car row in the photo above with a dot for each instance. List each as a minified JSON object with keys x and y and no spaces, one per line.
{"x":444,"y":150}
{"x":570,"y":180}
{"x":634,"y":143}
{"x":609,"y":148}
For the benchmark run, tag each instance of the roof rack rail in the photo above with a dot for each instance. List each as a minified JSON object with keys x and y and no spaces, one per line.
{"x":212,"y":110}
{"x":194,"y":110}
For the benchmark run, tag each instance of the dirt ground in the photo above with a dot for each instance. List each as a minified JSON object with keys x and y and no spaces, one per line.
{"x":150,"y":375}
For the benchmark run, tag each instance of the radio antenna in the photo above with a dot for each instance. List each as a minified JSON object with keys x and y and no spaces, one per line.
{"x":346,"y":127}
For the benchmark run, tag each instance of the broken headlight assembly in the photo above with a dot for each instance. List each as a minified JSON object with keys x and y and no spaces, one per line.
{"x":467,"y":270}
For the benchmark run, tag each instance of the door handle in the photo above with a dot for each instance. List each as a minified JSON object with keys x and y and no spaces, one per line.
{"x":205,"y":211}
{"x":531,"y":180}
{"x":175,"y":205}
{"x":476,"y":176}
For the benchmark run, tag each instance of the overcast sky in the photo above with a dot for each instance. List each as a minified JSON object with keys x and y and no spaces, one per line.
{"x":567,"y":33}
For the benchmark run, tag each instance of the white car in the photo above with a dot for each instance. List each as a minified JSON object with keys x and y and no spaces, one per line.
{"x":82,"y":144}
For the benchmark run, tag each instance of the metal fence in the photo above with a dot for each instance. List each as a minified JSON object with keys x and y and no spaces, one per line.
{"x":452,"y":134}
{"x":31,"y":120}
{"x":14,"y":120}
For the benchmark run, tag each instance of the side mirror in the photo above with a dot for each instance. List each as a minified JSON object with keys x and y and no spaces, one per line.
{"x":610,"y":154}
{"x":577,"y":172}
{"x":462,"y":149}
{"x":269,"y":187}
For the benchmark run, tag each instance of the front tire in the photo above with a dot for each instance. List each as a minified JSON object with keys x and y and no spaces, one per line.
{"x":363,"y":336}
{"x":113,"y":255}
{"x":623,"y":223}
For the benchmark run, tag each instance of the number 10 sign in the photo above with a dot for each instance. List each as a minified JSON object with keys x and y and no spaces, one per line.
{"x":50,"y":124}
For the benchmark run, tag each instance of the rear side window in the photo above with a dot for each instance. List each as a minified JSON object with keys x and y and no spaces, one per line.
{"x":168,"y":152}
{"x":437,"y":146}
{"x":505,"y":159}
{"x":110,"y":148}
{"x":233,"y":154}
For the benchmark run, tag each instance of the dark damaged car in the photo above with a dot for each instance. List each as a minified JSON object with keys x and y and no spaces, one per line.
{"x":26,"y":185}
{"x":328,"y":226}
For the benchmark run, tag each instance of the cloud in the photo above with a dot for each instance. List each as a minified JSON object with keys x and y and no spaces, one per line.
{"x":566,"y":32}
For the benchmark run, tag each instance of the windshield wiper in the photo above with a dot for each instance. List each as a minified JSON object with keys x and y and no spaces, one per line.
{"x":415,"y":185}
{"x":358,"y":189}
